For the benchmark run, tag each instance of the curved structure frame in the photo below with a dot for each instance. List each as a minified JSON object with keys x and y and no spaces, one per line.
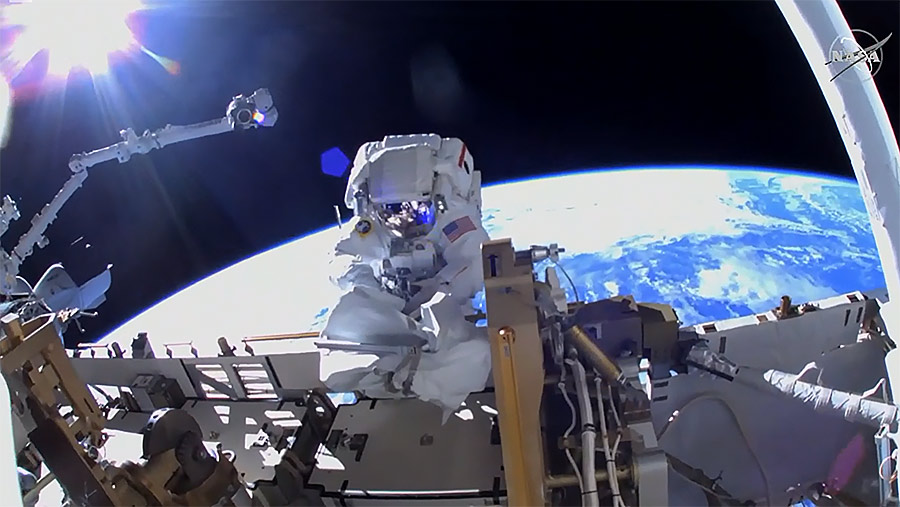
{"x":864,"y":126}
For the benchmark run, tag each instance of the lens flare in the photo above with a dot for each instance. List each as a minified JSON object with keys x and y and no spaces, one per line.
{"x":171,"y":66}
{"x":75,"y":33}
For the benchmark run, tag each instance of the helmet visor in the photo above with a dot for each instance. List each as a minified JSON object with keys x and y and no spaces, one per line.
{"x":408,"y":216}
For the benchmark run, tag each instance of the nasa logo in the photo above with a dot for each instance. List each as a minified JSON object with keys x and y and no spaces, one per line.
{"x":848,"y":51}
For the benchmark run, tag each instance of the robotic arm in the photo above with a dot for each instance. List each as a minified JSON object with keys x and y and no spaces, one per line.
{"x":242,"y":113}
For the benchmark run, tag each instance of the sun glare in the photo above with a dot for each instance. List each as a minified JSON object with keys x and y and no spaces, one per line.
{"x":75,"y":33}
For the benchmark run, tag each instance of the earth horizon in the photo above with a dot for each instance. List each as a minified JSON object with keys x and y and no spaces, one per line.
{"x":714,"y":242}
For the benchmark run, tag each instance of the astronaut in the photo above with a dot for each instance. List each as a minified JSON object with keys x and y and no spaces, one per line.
{"x":410,"y":262}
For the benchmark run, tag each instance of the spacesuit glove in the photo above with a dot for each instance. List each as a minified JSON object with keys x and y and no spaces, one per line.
{"x":356,"y":274}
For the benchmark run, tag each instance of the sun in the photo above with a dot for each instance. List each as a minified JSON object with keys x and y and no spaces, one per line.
{"x":77,"y":34}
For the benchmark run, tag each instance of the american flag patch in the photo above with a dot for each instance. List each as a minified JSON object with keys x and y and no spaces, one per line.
{"x":455,"y":229}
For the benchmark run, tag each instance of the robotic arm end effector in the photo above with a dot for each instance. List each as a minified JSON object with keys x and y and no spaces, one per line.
{"x":253,"y":111}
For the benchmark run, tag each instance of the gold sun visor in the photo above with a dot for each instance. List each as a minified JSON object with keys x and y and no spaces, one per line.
{"x":399,"y":175}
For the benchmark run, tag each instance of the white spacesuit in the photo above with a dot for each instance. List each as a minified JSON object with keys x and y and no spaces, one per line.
{"x":410,"y":262}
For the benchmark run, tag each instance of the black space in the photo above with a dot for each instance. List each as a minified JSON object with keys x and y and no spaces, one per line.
{"x":533,"y":88}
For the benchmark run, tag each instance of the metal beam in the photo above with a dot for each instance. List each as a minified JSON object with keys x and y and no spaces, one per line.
{"x":518,"y":368}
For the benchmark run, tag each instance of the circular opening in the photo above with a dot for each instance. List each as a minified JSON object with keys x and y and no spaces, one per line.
{"x":244,"y":116}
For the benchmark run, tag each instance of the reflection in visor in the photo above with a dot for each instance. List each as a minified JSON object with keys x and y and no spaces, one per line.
{"x":404,"y":215}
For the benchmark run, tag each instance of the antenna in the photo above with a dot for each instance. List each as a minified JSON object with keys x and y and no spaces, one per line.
{"x":337,"y":212}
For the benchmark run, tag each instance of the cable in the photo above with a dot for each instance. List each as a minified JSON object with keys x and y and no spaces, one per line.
{"x":588,"y":436}
{"x":893,"y":476}
{"x":881,"y":468}
{"x":610,"y":456}
{"x":562,"y":389}
{"x":613,"y":406}
{"x":716,"y":397}
{"x":566,"y":274}
{"x":615,"y":412}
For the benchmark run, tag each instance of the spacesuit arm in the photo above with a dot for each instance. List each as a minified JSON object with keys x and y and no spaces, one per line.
{"x":463,"y":276}
{"x":351,"y":272}
{"x":351,"y":263}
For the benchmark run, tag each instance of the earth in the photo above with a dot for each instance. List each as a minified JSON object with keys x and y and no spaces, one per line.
{"x":714,"y":243}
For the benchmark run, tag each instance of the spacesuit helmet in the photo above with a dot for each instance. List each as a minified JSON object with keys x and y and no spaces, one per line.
{"x":405,"y":181}
{"x":394,"y":184}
